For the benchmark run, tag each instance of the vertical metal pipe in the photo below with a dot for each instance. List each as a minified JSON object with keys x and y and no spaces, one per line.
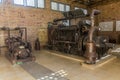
{"x":92,"y":27}
{"x":90,"y":46}
{"x":8,"y":32}
{"x":25,"y":34}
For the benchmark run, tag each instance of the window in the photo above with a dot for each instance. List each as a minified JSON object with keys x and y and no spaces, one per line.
{"x":0,"y":1}
{"x":77,"y":8}
{"x":67,"y":8}
{"x":30,"y":3}
{"x":41,"y":3}
{"x":19,"y":2}
{"x":54,"y":6}
{"x":61,"y":7}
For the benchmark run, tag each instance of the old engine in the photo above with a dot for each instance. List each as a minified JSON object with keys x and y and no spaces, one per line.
{"x":75,"y":39}
{"x":19,"y":49}
{"x":68,"y":39}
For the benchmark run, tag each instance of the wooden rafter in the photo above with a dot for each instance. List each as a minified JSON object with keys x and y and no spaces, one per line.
{"x":91,"y":2}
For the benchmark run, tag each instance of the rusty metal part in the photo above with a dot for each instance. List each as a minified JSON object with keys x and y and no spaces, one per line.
{"x":92,"y":29}
{"x":19,"y":49}
{"x":37,"y":44}
{"x":78,"y":39}
{"x":67,"y":39}
{"x":69,"y":15}
{"x":91,"y":53}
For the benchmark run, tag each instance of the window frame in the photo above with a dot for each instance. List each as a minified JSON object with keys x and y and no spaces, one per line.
{"x":66,"y":7}
{"x":35,"y":4}
{"x":41,"y":7}
{"x":51,"y":5}
{"x":18,"y":4}
{"x":30,"y":5}
{"x":59,"y":7}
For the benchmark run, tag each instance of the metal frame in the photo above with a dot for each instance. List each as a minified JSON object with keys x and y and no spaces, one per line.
{"x":14,"y":53}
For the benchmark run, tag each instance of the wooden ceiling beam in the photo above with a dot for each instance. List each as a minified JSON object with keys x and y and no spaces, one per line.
{"x":93,"y":2}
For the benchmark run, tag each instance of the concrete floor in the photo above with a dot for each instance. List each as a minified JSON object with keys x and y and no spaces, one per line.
{"x":109,"y":71}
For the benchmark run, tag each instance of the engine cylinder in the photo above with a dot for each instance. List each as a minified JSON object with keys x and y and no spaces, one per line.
{"x":90,"y":53}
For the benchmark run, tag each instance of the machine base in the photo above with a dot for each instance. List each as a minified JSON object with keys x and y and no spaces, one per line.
{"x":100,"y":62}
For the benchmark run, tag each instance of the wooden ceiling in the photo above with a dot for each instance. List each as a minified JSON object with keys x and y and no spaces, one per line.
{"x":92,"y":2}
{"x":87,"y":2}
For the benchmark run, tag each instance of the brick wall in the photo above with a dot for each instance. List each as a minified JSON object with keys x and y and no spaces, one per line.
{"x":33,"y":19}
{"x":109,"y":12}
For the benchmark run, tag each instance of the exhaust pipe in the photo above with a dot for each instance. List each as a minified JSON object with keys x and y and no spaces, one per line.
{"x":90,"y":53}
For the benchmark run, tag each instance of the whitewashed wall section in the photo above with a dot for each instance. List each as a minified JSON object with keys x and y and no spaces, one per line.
{"x":117,"y":25}
{"x":106,"y":26}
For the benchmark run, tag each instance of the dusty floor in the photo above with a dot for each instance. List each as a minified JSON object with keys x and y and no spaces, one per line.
{"x":109,"y":71}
